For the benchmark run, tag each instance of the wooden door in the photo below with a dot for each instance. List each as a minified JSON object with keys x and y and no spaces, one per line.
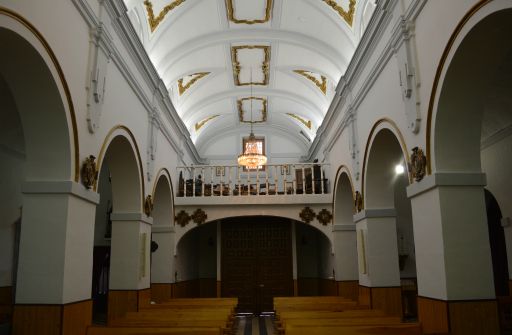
{"x":256,"y":261}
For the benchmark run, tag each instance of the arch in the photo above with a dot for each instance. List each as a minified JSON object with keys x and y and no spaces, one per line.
{"x":455,"y":148}
{"x":53,"y":157}
{"x":387,"y":145}
{"x":163,"y":199}
{"x":343,"y":197}
{"x":122,"y":155}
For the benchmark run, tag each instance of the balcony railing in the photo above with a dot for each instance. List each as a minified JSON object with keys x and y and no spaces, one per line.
{"x":269,"y":180}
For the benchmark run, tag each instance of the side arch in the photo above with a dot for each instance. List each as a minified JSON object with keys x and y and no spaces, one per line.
{"x":381,"y":125}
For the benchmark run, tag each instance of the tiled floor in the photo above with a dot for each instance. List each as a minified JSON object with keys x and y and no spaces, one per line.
{"x":254,"y":325}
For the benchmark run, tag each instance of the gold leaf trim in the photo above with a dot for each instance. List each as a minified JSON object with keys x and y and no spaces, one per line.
{"x":231,"y":14}
{"x":200,"y":124}
{"x":348,"y":16}
{"x":241,"y":111}
{"x":182,"y":89}
{"x":307,"y":123}
{"x":155,"y":21}
{"x":322,"y":85}
{"x":265,"y":65}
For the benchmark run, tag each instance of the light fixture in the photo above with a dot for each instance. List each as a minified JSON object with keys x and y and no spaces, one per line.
{"x":399,"y":169}
{"x":251,"y":158}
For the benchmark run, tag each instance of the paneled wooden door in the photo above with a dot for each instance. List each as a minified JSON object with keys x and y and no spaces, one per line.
{"x":256,"y":261}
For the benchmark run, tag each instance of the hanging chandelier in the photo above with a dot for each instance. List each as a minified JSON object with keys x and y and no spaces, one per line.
{"x":252,"y":157}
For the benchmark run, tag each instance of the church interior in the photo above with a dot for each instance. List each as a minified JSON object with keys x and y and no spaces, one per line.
{"x":255,"y":167}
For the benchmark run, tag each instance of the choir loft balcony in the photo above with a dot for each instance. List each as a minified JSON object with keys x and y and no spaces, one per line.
{"x":298,"y":183}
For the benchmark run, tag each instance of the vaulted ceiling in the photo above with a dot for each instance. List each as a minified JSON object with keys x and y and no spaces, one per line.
{"x":211,"y":54}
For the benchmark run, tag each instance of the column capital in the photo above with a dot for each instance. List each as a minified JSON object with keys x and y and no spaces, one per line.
{"x":61,"y":187}
{"x":375,"y":213}
{"x":126,"y":216}
{"x":446,"y":179}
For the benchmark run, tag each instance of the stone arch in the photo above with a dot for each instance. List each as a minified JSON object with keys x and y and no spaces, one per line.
{"x":44,"y":99}
{"x":343,"y":197}
{"x":455,"y":113}
{"x":385,"y":148}
{"x":120,"y":151}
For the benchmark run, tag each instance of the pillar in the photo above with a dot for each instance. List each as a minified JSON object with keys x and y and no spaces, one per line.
{"x":453,"y":255}
{"x":345,"y":260}
{"x":162,"y":263}
{"x":53,"y":292}
{"x":129,"y":286}
{"x":379,"y":274}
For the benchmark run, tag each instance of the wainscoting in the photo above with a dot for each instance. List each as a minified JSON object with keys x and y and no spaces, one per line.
{"x":388,"y":299}
{"x":6,"y":300}
{"x":196,"y":288}
{"x":458,"y":317}
{"x":316,"y":287}
{"x":69,"y":319}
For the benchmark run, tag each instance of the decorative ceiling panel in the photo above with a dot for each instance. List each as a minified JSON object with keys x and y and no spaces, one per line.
{"x":187,"y":81}
{"x":251,"y":64}
{"x":305,"y":122}
{"x":153,"y":20}
{"x":249,"y":11}
{"x":345,"y":8}
{"x":319,"y":80}
{"x":259,"y":109}
{"x":201,"y":123}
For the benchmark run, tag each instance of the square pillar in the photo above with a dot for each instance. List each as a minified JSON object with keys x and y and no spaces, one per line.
{"x":129,"y":285}
{"x":53,"y":293}
{"x":379,"y":274}
{"x":162,"y":263}
{"x":345,"y":260}
{"x":453,"y":255}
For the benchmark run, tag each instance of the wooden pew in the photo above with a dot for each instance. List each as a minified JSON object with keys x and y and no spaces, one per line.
{"x":152,"y":331}
{"x":395,"y":329}
{"x":329,"y":315}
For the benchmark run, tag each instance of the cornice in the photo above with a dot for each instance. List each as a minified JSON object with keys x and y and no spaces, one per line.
{"x":379,"y":22}
{"x":120,"y":22}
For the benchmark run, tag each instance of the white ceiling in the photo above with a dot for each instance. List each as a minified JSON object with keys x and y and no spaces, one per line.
{"x":295,"y":51}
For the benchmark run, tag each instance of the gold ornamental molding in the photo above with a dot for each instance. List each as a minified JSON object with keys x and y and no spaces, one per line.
{"x":155,"y":21}
{"x":265,"y":65}
{"x":305,"y":122}
{"x":231,"y":14}
{"x":321,"y":84}
{"x":347,"y":15}
{"x":241,"y":110}
{"x":200,"y":124}
{"x":196,"y":76}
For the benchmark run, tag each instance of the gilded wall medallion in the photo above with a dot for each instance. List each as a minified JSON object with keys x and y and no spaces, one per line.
{"x":418,"y":165}
{"x":89,"y":172}
{"x":324,"y":217}
{"x":148,"y":205}
{"x":199,"y":216}
{"x":182,"y":218}
{"x":358,"y":202}
{"x":307,"y":214}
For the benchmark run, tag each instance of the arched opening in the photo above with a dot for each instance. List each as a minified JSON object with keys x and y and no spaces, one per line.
{"x":344,"y":235}
{"x":162,"y":241}
{"x":196,"y":263}
{"x":473,"y":122}
{"x":119,"y":266}
{"x":386,"y":200}
{"x":315,"y":262}
{"x":29,"y":98}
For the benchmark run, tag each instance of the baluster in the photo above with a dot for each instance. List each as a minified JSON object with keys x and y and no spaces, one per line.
{"x":239,"y":181}
{"x":294,"y":180}
{"x":303,"y":180}
{"x":193,"y":181}
{"x":229,"y":178}
{"x":276,"y":185}
{"x":202,"y":181}
{"x":322,"y":179}
{"x":258,"y":181}
{"x":266,"y":180}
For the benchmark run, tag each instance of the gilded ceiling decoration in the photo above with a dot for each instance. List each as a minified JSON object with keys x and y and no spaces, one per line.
{"x":347,"y":15}
{"x":321,"y":84}
{"x":232,"y":15}
{"x":307,"y":123}
{"x":200,"y":124}
{"x":155,"y":21}
{"x":265,"y":65}
{"x":263,"y":111}
{"x":195,"y":77}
